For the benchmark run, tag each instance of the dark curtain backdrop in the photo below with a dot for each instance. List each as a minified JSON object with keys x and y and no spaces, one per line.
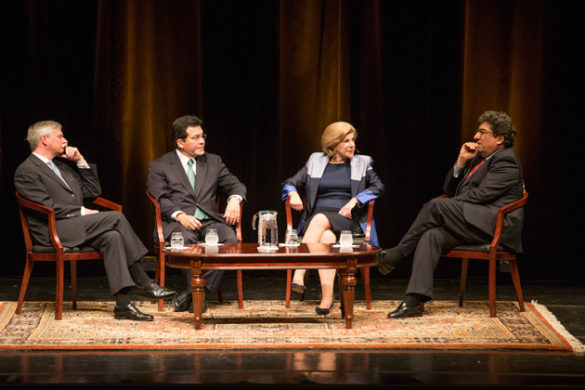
{"x":268,"y":76}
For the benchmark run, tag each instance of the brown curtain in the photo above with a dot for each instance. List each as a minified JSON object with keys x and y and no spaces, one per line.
{"x":267,"y":76}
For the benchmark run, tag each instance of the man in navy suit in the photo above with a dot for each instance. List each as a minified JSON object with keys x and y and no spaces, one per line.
{"x":56,"y":175}
{"x":185,"y":181}
{"x":487,"y":175}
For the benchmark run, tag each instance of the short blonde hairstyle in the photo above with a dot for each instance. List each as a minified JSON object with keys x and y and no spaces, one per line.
{"x":37,"y":130}
{"x":334,"y":134}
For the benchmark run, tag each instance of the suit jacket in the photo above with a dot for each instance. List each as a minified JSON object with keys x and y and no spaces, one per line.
{"x":365,"y":186}
{"x":497,"y":182}
{"x":169,"y":184}
{"x":35,"y":181}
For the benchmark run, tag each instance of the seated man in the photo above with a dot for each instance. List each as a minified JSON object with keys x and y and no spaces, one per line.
{"x":487,"y":175}
{"x":185,"y":182}
{"x":44,"y":179}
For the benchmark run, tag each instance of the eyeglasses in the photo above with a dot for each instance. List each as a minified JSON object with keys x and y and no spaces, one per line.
{"x":203,"y":135}
{"x":484,"y":131}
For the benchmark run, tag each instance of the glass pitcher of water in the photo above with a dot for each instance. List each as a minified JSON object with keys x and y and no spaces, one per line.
{"x":267,"y":228}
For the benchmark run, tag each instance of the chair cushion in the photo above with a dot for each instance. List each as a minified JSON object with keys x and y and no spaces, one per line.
{"x":50,"y":249}
{"x":478,"y":248}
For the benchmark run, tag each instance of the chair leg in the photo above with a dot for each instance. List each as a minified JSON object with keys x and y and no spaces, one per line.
{"x":240,"y":289}
{"x":463,"y":281}
{"x":73,"y":265}
{"x":492,"y":284}
{"x":160,"y":276}
{"x":59,"y":289}
{"x":288,"y":283}
{"x":365,"y":271}
{"x":28,"y":267}
{"x":516,"y":280}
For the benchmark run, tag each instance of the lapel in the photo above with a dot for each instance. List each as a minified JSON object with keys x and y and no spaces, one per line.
{"x":179,"y":170}
{"x":356,"y":167}
{"x":201,"y":174}
{"x":44,"y":168}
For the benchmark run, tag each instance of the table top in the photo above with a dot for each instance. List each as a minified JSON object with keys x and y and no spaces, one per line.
{"x":247,"y":255}
{"x":253,"y":250}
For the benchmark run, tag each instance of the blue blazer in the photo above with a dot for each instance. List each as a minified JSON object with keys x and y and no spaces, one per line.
{"x":365,"y":186}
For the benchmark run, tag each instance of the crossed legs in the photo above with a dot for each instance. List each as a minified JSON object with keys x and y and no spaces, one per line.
{"x":319,"y":230}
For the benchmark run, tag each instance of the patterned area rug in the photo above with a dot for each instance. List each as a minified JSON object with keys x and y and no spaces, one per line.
{"x":269,"y":325}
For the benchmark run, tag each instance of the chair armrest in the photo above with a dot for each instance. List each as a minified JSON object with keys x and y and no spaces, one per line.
{"x":369,"y":221}
{"x":51,"y":220}
{"x":157,"y":219}
{"x":502,"y":211}
{"x":108,"y":204}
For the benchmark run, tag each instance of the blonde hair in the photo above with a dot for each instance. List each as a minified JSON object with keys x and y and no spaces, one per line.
{"x":37,"y":130}
{"x":334,"y":134}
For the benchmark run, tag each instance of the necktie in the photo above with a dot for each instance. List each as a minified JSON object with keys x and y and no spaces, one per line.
{"x":191,"y":175}
{"x":474,"y":169}
{"x":54,"y":168}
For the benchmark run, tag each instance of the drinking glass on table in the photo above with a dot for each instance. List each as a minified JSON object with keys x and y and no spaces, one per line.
{"x":345,"y":238}
{"x":291,"y":238}
{"x":211,"y":237}
{"x":177,"y":241}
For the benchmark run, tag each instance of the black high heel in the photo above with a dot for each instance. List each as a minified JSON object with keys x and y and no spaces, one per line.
{"x":323,"y":311}
{"x":298,"y":288}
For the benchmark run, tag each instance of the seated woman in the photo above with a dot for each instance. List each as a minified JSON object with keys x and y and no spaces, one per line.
{"x":334,"y":183}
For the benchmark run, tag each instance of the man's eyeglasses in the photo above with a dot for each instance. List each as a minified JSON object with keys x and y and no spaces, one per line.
{"x":484,"y":131}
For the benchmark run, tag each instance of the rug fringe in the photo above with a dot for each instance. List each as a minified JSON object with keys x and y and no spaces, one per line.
{"x":556,"y":324}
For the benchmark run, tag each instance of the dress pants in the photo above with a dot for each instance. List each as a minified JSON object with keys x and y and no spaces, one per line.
{"x":439,"y":225}
{"x":110,"y":233}
{"x":226,"y":234}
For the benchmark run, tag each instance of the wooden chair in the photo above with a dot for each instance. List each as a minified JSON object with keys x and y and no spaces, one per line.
{"x":56,"y":252}
{"x":364,"y":238}
{"x":159,"y":245}
{"x":491,"y":252}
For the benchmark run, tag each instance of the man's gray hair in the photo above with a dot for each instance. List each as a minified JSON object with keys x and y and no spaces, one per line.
{"x":38,"y":129}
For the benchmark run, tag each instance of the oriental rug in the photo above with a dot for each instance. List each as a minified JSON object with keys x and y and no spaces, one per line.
{"x":269,"y":325}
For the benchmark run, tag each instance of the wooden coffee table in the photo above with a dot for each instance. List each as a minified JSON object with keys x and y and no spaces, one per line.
{"x":246,"y":256}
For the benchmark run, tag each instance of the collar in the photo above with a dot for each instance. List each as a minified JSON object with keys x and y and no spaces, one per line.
{"x":42,"y":158}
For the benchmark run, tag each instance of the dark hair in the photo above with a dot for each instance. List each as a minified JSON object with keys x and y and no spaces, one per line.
{"x":501,"y":124}
{"x":180,"y":126}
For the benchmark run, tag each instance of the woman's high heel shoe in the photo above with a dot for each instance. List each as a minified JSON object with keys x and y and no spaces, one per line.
{"x":323,"y":311}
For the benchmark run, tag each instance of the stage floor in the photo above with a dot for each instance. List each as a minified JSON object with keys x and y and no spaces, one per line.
{"x":307,"y":368}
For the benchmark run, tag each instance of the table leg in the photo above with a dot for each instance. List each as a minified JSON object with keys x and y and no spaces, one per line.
{"x":198,"y":284}
{"x":348,"y":282}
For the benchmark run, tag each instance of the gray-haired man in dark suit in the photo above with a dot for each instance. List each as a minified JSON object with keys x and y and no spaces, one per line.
{"x":46,"y":178}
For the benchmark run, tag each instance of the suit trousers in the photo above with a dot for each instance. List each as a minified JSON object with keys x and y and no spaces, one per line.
{"x":110,"y":233}
{"x":226,"y":234}
{"x":439,"y":225}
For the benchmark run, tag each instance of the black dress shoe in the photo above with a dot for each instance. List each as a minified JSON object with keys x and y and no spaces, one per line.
{"x":184,"y":302}
{"x":403,"y":311}
{"x":154,"y":291}
{"x":388,"y":260}
{"x":130,"y":312}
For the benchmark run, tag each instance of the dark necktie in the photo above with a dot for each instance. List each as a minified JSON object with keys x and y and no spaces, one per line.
{"x":191,"y":175}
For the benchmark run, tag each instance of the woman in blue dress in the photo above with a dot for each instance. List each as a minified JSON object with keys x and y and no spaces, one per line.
{"x":336,"y":185}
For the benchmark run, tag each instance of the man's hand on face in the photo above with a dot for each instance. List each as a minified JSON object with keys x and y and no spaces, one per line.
{"x":468,"y":151}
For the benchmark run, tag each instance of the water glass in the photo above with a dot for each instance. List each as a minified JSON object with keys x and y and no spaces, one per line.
{"x":211,"y":237}
{"x":177,"y":240}
{"x":291,"y":238}
{"x":345,"y":238}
